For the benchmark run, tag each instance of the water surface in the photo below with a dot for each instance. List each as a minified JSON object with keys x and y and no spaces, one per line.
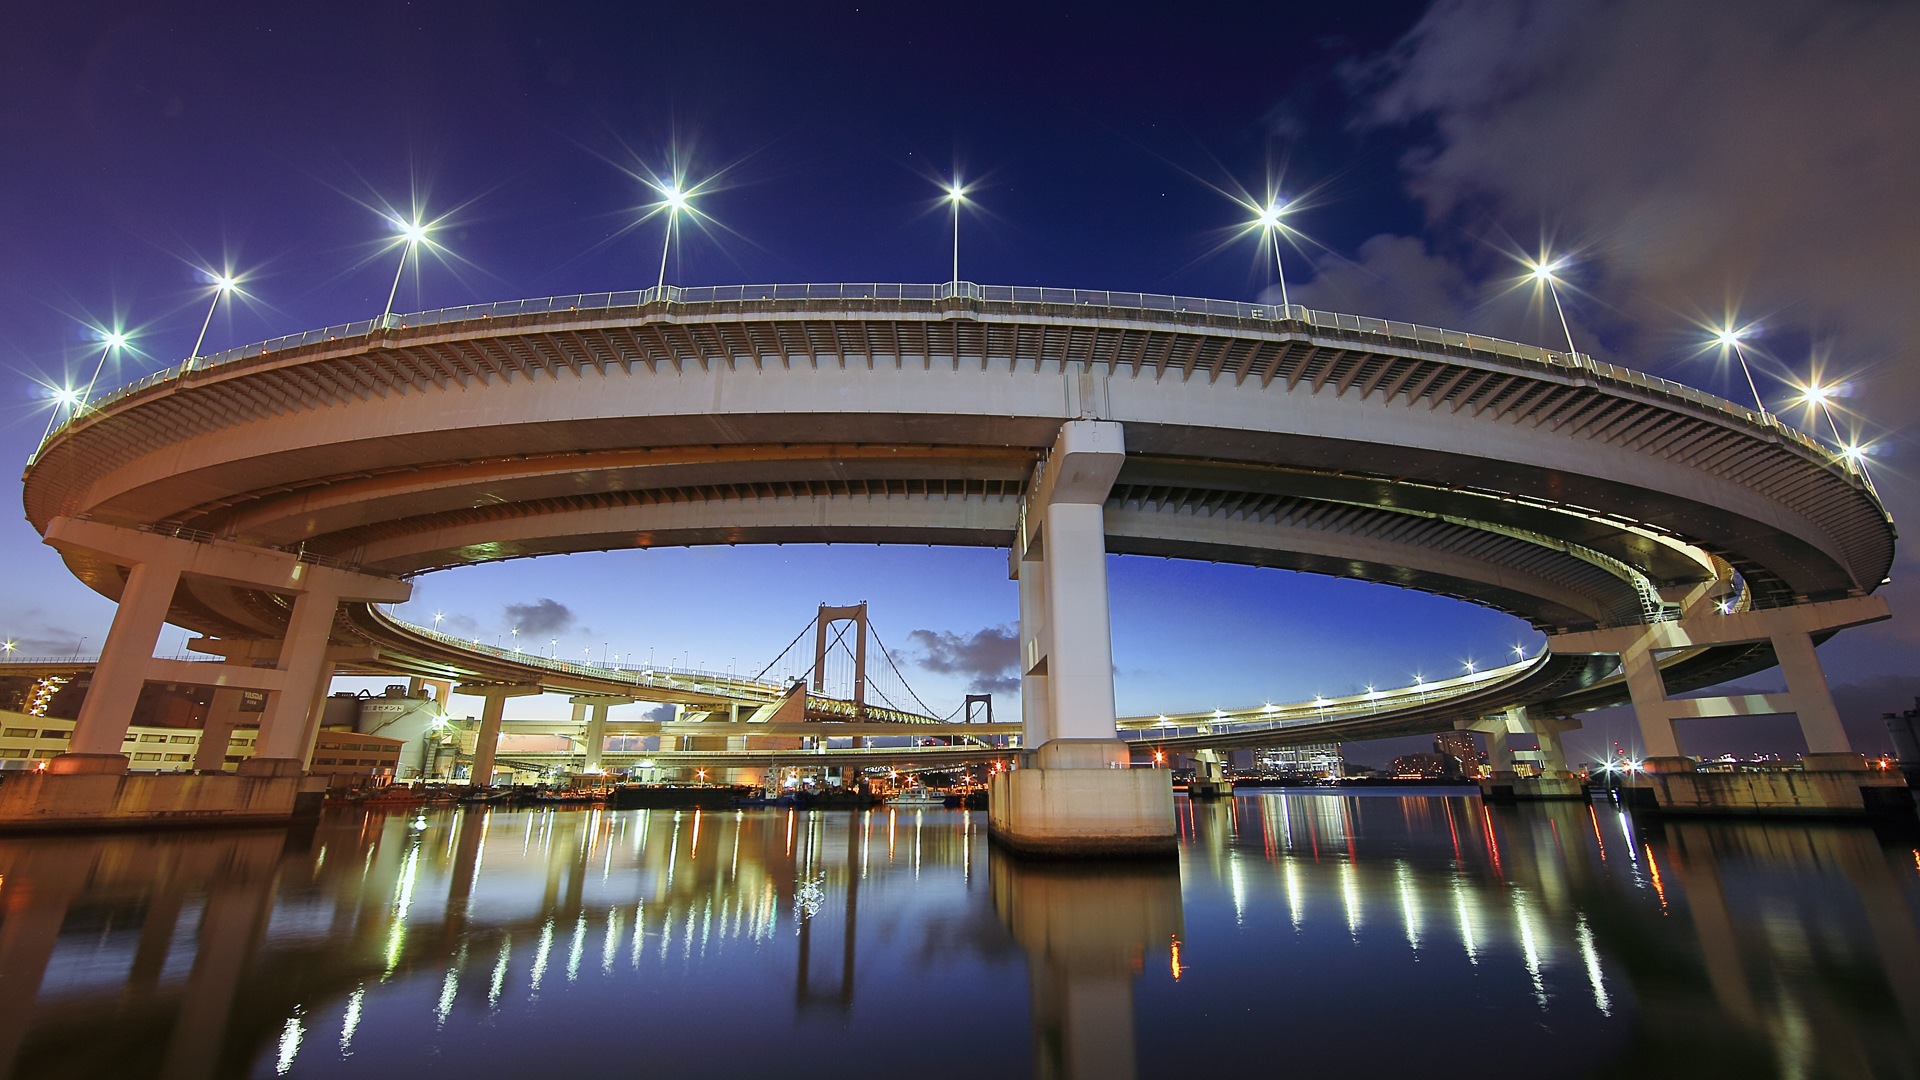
{"x":1312,"y":933}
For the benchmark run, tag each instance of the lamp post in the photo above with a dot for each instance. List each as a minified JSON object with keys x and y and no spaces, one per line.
{"x":222,"y":285}
{"x":1271,"y":225}
{"x":110,"y":340}
{"x":675,"y":200}
{"x":956,"y":194}
{"x":1730,"y":339}
{"x":412,"y":234}
{"x":1545,"y":270}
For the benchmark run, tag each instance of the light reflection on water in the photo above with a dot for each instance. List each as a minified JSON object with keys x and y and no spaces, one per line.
{"x":1319,"y":933}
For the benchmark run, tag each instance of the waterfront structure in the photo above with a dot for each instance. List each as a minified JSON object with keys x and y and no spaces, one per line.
{"x":1312,"y":759}
{"x":269,"y":496}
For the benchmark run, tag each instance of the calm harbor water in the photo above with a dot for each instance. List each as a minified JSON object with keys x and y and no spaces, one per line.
{"x":1308,"y":933}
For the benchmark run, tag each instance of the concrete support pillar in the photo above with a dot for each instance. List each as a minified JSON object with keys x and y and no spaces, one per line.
{"x":287,"y":728}
{"x":1033,"y":673}
{"x":1649,"y":693}
{"x":1499,"y":750}
{"x":1074,"y":793}
{"x":101,"y":727}
{"x":223,"y":715}
{"x":1080,"y":650}
{"x":1553,"y":755}
{"x":591,"y":710}
{"x":492,"y":710}
{"x":491,"y":713}
{"x":1812,"y":701}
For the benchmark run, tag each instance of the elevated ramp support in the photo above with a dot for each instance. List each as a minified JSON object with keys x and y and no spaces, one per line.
{"x":1209,"y":776}
{"x":594,"y":738}
{"x":1833,"y":780}
{"x":1074,"y":793}
{"x":88,"y":785}
{"x":1507,"y":785}
{"x":493,"y":708}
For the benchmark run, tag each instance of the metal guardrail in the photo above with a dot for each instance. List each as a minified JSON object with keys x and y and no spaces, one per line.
{"x":684,"y":679}
{"x":1327,"y":710}
{"x":1156,"y":303}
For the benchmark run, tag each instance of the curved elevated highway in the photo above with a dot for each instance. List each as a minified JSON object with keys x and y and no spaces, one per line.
{"x":1585,"y":498}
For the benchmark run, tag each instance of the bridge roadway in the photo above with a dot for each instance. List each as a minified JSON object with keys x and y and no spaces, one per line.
{"x":1583,"y":497}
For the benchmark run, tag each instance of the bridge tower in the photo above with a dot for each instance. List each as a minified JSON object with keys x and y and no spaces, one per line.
{"x":830,"y":616}
{"x":1075,"y":793}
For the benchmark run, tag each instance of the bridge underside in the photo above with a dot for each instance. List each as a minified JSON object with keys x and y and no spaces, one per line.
{"x":1583,"y":498}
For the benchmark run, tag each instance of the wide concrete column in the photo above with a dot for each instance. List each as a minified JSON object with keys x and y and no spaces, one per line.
{"x":1812,"y":700}
{"x":494,"y":707}
{"x":1034,"y":710}
{"x":1649,"y":692}
{"x":223,"y":716}
{"x":107,"y":711}
{"x":1499,"y":749}
{"x":1074,"y":793}
{"x":1547,"y":730}
{"x":288,"y":727}
{"x":595,"y":738}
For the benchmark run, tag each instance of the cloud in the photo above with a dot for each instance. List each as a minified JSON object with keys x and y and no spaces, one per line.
{"x":34,"y":634}
{"x":1699,"y":163}
{"x":988,"y":659}
{"x":660,"y":714}
{"x":1695,"y":156}
{"x":543,"y":616}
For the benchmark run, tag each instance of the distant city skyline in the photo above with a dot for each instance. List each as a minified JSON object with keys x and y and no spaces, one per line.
{"x":157,"y":153}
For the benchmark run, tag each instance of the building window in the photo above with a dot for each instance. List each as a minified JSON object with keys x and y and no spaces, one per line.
{"x":146,"y":757}
{"x":19,"y":733}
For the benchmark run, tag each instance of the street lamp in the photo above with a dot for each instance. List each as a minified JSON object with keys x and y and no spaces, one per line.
{"x":110,"y":340}
{"x":956,"y":194}
{"x":1730,"y":339}
{"x":222,"y":285}
{"x":1270,"y":223}
{"x":1544,"y":271}
{"x":1816,"y":394}
{"x":412,"y":235}
{"x":674,"y":198}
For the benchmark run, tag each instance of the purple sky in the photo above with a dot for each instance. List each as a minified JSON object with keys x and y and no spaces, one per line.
{"x":1693,"y":162}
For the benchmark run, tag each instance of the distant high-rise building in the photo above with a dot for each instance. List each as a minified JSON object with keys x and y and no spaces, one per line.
{"x":1461,"y":750}
{"x":1427,"y":765}
{"x":1317,"y":759}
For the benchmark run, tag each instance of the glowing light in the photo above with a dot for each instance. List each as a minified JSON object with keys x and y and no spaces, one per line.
{"x":1469,"y":666}
{"x":675,"y":198}
{"x":1853,"y":452}
{"x":1546,"y":271}
{"x":1520,"y":652}
{"x":225,"y":283}
{"x":8,"y":648}
{"x":1730,"y":337}
{"x":113,"y":339}
{"x":956,"y":194}
{"x":412,"y":234}
{"x":1268,"y":219}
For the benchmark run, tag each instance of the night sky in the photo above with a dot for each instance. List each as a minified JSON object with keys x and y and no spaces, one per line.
{"x":1693,"y":162}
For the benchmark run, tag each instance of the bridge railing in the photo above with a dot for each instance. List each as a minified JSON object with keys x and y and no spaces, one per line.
{"x":1162,"y":303}
{"x":641,"y":676}
{"x":1326,"y":710}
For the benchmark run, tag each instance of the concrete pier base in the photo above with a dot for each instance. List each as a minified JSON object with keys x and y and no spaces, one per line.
{"x":1077,"y":799}
{"x":1827,"y":785}
{"x":55,"y":802}
{"x":1511,"y":788}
